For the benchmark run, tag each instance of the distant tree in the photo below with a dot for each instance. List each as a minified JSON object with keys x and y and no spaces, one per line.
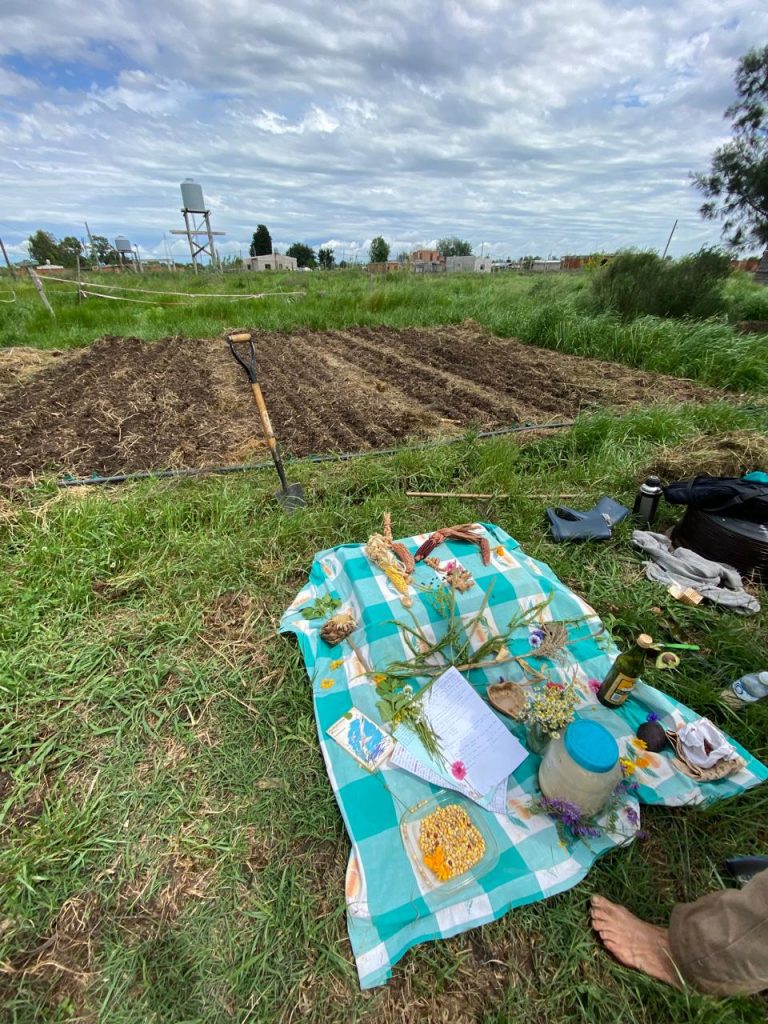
{"x":378,"y":251}
{"x":454,"y":247}
{"x":261,"y":243}
{"x":737,"y":184}
{"x":304,"y":256}
{"x":43,"y":247}
{"x":326,"y":259}
{"x":69,"y":250}
{"x":528,"y":261}
{"x":343,"y":265}
{"x":403,"y":257}
{"x":101,"y":252}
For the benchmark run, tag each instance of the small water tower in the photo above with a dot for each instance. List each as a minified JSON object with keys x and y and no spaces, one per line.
{"x":127,"y":253}
{"x":192,"y":196}
{"x":193,"y":209}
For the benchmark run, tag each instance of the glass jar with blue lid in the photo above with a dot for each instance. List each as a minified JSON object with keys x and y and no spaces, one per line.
{"x":582,"y":767}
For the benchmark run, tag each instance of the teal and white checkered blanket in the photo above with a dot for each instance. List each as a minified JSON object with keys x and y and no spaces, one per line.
{"x":388,"y":908}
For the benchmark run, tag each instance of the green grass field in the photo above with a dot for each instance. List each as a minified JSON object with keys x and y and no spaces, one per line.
{"x":170,"y":850}
{"x":551,"y":311}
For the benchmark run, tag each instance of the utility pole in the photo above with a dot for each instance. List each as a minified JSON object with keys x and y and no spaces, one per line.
{"x":664,"y":254}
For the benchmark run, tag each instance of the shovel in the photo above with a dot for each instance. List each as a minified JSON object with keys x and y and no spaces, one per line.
{"x":290,"y":496}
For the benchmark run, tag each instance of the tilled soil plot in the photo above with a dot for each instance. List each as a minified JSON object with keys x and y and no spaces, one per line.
{"x":124,"y":405}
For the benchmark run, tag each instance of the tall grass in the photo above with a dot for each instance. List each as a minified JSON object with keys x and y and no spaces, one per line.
{"x":643,"y":284}
{"x":553,"y":313}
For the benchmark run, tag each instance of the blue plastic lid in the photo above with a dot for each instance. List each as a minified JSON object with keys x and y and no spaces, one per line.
{"x":591,"y":746}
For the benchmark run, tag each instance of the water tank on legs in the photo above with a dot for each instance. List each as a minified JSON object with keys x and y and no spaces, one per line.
{"x":192,"y":196}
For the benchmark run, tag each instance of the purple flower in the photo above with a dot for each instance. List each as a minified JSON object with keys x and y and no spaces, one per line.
{"x":536,"y":637}
{"x":632,"y":816}
{"x":652,"y":717}
{"x":586,"y":831}
{"x":641,"y":835}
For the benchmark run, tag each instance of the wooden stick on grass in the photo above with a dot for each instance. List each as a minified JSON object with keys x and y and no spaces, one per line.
{"x":470,"y":494}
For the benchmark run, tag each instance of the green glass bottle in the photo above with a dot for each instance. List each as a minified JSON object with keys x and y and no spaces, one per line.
{"x":620,"y":681}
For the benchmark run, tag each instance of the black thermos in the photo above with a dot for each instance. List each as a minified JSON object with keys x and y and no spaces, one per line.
{"x":647,"y":500}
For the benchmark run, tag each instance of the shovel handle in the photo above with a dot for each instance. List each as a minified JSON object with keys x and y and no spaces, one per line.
{"x":269,"y":434}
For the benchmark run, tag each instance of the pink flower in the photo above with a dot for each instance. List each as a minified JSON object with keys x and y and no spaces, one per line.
{"x":555,"y":686}
{"x":459,"y":770}
{"x":594,"y":685}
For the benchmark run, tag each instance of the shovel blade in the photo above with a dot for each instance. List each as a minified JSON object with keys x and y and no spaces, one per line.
{"x":292,"y":498}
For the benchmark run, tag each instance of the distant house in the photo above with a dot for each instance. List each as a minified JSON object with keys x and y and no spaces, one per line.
{"x":384,"y":268}
{"x":460,"y":264}
{"x":468,"y":264}
{"x":273,"y":261}
{"x":49,"y":268}
{"x":426,"y":261}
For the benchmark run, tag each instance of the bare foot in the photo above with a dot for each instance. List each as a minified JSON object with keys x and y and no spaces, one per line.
{"x":634,"y":942}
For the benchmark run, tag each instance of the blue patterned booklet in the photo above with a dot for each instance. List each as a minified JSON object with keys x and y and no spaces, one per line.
{"x":363,"y":739}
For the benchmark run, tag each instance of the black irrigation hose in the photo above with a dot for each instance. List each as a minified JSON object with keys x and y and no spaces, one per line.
{"x":159,"y":474}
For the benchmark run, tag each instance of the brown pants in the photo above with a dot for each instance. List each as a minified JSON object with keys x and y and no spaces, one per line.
{"x":720,"y":942}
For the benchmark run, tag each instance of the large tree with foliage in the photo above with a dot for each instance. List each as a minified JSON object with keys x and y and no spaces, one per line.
{"x":303,"y":254}
{"x":326,"y":259}
{"x":101,"y":252}
{"x":454,"y":247}
{"x":70,"y":249}
{"x":378,"y":251}
{"x":736,"y":186}
{"x":43,"y":247}
{"x":261,"y":243}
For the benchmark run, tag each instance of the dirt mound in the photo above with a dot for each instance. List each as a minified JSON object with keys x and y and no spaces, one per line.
{"x":20,"y":362}
{"x":124,"y":404}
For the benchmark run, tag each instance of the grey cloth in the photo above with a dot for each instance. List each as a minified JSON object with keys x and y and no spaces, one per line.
{"x":721,"y":584}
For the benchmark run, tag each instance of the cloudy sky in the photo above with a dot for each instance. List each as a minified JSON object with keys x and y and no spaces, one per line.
{"x":542,"y":127}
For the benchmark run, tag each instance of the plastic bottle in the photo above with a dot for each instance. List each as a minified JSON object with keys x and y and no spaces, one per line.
{"x":621,"y":678}
{"x":750,"y":688}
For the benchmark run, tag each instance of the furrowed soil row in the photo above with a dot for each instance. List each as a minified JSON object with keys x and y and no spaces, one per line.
{"x":124,"y":405}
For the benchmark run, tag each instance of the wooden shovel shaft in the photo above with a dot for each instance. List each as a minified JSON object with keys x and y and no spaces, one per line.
{"x":266,"y":426}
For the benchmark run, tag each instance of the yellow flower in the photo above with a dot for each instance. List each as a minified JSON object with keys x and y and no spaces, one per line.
{"x":500,"y":551}
{"x":379,"y":678}
{"x":640,"y":744}
{"x":628,"y":766}
{"x":326,"y":684}
{"x":337,"y":664}
{"x":643,"y":762}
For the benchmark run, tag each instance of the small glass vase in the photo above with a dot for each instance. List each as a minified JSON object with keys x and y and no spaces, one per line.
{"x":536,"y":739}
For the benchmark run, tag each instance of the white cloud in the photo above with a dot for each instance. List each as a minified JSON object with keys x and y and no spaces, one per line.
{"x":545,"y":126}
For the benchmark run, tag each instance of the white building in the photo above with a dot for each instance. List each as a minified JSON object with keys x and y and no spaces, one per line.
{"x":468,"y":264}
{"x":273,"y":261}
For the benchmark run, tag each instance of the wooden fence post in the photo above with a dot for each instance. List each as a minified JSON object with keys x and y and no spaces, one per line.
{"x":41,"y":291}
{"x":7,"y":261}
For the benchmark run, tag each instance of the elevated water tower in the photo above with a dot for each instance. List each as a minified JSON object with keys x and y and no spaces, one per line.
{"x":197,"y":222}
{"x":127,"y":253}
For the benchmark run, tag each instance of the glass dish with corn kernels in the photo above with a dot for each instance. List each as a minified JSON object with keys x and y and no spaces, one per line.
{"x":449,"y":842}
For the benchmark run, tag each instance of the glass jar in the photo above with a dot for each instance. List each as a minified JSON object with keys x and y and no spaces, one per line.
{"x":582,"y":767}
{"x":535,"y":738}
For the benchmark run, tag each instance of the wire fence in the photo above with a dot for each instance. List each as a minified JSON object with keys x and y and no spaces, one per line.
{"x":101,"y":291}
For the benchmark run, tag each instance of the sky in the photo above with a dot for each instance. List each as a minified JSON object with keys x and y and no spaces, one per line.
{"x":543,"y":127}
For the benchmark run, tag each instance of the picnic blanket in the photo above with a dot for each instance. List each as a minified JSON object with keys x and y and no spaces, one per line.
{"x":389,"y":910}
